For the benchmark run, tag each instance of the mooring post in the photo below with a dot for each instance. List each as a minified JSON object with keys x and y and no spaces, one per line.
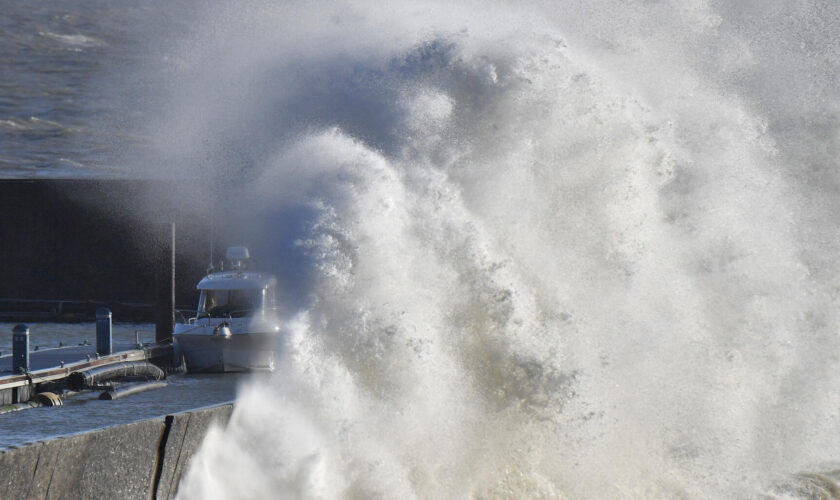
{"x":165,"y":279}
{"x":104,"y":343}
{"x":20,"y":348}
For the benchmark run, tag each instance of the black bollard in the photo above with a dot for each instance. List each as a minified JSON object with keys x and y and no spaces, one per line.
{"x":20,"y":348}
{"x":104,"y":342}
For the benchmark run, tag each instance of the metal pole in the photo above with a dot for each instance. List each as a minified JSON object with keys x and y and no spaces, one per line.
{"x":165,"y":278}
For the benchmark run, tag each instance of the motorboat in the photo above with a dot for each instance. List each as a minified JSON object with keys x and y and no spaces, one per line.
{"x":235,"y":327}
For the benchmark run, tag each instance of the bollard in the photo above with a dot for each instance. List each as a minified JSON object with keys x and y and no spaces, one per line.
{"x":20,"y":348}
{"x":104,"y":344}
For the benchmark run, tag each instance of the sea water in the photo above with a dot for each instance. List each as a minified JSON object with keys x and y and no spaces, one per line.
{"x":545,"y":249}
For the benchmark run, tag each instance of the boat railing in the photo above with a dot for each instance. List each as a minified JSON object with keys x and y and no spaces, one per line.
{"x":242,"y":313}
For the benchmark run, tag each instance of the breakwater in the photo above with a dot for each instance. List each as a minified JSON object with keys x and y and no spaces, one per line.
{"x":71,"y":246}
{"x":144,"y":459}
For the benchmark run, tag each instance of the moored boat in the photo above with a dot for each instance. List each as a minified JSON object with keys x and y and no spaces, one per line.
{"x":235,"y":327}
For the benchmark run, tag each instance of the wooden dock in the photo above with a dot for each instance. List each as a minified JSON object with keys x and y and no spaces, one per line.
{"x":50,"y":367}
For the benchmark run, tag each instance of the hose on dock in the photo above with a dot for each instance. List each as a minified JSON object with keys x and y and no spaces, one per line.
{"x":129,"y":389}
{"x":127,"y":369}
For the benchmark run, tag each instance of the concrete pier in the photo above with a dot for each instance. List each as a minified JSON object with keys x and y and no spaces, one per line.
{"x":143,"y":459}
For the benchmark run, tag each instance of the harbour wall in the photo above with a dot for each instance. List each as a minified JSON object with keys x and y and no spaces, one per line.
{"x":69,"y":246}
{"x":144,"y":459}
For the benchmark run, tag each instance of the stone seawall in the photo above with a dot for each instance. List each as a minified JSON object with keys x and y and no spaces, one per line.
{"x":138,"y":460}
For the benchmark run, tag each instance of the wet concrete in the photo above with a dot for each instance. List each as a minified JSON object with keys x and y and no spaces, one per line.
{"x":186,"y":432}
{"x":144,"y":459}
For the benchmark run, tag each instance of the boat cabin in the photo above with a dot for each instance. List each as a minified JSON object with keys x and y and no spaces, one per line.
{"x":235,"y":294}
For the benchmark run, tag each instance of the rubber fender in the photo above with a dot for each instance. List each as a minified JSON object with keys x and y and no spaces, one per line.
{"x":127,"y":369}
{"x":129,"y":389}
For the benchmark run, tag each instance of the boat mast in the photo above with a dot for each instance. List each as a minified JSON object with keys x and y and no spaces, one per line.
{"x":210,"y":267}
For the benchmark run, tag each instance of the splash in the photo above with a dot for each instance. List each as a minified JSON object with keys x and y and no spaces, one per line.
{"x":554,"y":251}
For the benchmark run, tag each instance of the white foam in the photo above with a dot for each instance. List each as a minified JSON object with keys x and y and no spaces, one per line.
{"x":75,"y":40}
{"x":556,"y":251}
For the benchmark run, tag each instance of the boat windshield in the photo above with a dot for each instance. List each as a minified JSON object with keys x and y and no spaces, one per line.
{"x":230,"y":303}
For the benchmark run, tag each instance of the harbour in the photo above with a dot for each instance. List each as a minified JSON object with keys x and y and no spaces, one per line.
{"x":85,"y":411}
{"x":87,"y":355}
{"x":522,"y":249}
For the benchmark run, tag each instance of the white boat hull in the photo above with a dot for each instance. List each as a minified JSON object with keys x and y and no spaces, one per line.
{"x":235,"y":327}
{"x":235,"y":353}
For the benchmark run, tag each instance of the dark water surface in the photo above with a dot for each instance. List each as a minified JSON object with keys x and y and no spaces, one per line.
{"x":49,"y":335}
{"x":65,"y":110}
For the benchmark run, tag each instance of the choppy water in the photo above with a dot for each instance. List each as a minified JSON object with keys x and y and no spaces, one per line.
{"x":560,"y":249}
{"x":67,"y":104}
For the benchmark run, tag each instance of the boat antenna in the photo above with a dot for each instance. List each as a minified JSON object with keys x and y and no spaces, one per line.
{"x":210,"y":267}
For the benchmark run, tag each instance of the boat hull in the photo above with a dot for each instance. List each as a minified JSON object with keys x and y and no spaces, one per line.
{"x":239,"y":352}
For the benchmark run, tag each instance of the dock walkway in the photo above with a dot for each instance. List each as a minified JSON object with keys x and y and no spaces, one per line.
{"x":53,"y":365}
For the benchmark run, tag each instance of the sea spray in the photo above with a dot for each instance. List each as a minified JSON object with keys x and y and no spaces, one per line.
{"x":554,"y":251}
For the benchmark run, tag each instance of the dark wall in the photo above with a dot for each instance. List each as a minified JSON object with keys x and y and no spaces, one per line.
{"x":92,"y":240}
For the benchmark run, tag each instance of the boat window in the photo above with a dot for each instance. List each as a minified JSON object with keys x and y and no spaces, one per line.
{"x":229,"y":303}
